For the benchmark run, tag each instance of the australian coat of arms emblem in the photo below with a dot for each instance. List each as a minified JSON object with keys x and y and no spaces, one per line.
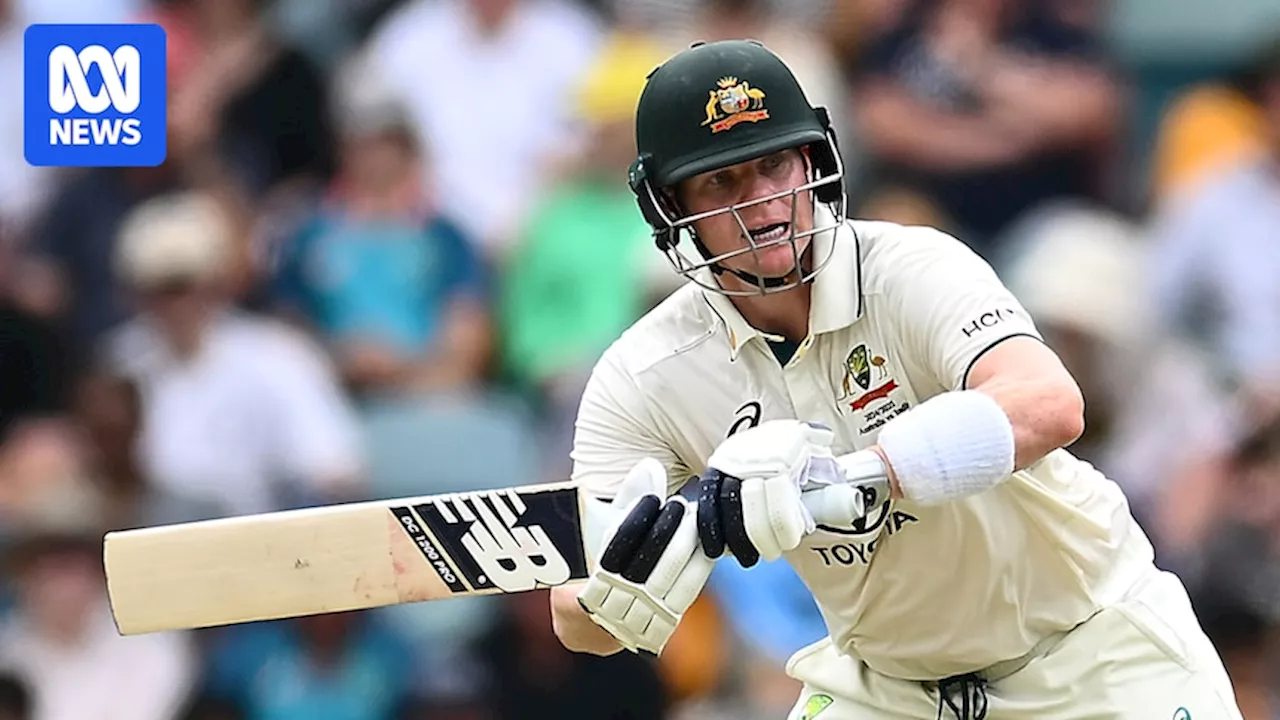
{"x":734,"y":101}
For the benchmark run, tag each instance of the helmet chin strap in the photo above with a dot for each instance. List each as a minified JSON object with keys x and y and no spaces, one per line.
{"x":769,"y":282}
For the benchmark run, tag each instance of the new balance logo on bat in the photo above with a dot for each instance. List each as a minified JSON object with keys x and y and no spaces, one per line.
{"x":500,"y":539}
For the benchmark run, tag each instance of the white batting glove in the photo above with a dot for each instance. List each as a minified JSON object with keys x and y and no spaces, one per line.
{"x":750,"y":496}
{"x":649,"y":567}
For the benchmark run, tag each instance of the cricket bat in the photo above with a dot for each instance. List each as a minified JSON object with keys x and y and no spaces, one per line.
{"x":360,"y":555}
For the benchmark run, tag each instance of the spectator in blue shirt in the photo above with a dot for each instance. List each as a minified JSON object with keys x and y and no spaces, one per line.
{"x":343,"y":666}
{"x":393,"y":287}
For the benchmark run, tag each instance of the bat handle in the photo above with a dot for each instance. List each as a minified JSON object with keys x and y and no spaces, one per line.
{"x":838,"y":504}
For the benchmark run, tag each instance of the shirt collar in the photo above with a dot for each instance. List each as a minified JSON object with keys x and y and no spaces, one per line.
{"x":836,"y":301}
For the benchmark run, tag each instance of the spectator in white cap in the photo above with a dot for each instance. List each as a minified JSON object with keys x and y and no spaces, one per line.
{"x":236,"y":408}
{"x":174,"y":252}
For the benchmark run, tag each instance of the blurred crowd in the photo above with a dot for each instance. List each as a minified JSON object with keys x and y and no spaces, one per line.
{"x":392,"y":237}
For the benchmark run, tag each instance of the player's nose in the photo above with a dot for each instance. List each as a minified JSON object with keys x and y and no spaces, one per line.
{"x":766,"y":214}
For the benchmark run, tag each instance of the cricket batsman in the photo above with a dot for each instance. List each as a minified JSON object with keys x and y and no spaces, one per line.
{"x":983,"y":571}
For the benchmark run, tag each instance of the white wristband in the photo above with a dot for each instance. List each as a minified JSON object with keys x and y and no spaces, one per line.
{"x":953,"y":445}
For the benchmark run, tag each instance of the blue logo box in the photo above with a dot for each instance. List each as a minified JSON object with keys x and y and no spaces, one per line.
{"x":94,"y":95}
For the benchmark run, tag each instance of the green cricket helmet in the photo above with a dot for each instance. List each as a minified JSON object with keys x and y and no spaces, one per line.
{"x":719,"y":104}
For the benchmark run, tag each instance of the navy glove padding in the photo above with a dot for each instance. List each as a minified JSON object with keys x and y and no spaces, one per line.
{"x":720,"y":523}
{"x":641,"y":539}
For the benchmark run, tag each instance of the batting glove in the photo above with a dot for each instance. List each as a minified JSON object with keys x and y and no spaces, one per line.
{"x":750,"y":497}
{"x":650,"y":568}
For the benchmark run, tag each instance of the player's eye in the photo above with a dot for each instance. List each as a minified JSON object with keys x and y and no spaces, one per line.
{"x":720,"y":186}
{"x":776,"y":162}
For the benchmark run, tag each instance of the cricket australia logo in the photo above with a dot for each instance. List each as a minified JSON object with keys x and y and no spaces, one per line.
{"x":861,"y":368}
{"x":857,"y":370}
{"x":502,"y":540}
{"x":868,"y":388}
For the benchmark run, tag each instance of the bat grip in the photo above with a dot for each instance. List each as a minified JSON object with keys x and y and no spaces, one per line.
{"x":838,"y":504}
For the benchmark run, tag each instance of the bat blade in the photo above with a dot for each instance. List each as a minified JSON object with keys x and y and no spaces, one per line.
{"x":344,"y":557}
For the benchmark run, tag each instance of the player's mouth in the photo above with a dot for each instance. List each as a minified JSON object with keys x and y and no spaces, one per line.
{"x":770,"y":233}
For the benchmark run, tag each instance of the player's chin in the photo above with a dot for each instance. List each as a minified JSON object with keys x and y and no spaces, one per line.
{"x":776,"y":261}
{"x":772,"y":273}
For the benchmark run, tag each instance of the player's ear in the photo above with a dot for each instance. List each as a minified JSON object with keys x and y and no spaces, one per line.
{"x":673,"y":198}
{"x":654,"y":202}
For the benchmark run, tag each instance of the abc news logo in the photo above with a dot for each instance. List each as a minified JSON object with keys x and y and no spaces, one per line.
{"x":95,"y":95}
{"x":69,"y":90}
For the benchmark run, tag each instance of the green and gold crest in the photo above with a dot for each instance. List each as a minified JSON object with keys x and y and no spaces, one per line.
{"x":814,"y":706}
{"x":858,"y":367}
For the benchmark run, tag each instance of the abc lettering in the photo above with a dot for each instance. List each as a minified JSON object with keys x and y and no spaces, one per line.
{"x":986,"y":320}
{"x":69,"y":91}
{"x":121,"y":81}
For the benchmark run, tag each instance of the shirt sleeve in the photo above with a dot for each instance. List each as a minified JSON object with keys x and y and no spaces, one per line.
{"x":615,"y":430}
{"x":950,"y":305}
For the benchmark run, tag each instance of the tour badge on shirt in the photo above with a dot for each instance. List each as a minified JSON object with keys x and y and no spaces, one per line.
{"x":868,"y":388}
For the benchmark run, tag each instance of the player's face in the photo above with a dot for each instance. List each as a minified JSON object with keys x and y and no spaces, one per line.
{"x":769,"y":224}
{"x":179,"y":307}
{"x":379,"y":165}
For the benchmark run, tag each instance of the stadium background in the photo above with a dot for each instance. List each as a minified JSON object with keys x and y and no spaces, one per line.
{"x":392,"y":237}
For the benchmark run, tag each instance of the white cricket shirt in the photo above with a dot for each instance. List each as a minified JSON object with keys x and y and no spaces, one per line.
{"x":898,"y":315}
